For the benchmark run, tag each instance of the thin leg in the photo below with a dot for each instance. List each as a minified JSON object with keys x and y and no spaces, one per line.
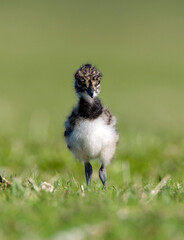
{"x":88,"y":172}
{"x":103,"y":176}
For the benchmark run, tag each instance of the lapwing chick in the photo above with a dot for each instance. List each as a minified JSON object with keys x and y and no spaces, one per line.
{"x":90,"y":131}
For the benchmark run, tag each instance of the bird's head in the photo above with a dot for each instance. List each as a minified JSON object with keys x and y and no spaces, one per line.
{"x":87,"y":82}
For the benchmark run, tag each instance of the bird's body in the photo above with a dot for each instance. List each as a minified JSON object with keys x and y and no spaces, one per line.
{"x":90,"y":138}
{"x":90,"y":128}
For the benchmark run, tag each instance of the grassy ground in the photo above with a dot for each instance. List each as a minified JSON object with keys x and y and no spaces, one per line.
{"x":138,"y":45}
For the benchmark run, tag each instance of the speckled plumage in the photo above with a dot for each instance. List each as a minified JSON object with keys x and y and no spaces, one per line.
{"x":90,"y":130}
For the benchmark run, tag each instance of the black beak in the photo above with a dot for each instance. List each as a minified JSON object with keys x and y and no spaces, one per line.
{"x":90,"y":91}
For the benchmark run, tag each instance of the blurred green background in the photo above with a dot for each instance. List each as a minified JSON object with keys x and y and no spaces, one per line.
{"x":139,"y":48}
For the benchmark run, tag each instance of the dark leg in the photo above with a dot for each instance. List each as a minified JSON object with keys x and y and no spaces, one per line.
{"x":103,"y":176}
{"x":88,"y":172}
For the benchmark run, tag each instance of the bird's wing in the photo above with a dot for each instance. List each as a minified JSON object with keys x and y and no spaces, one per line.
{"x":108,"y":117}
{"x":70,"y":122}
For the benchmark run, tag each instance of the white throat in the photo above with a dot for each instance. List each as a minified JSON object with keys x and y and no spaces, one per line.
{"x":86,"y":97}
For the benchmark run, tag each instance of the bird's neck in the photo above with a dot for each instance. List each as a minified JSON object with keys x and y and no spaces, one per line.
{"x":90,"y":109}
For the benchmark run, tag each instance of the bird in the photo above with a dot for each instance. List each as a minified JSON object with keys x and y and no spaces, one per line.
{"x":90,"y":129}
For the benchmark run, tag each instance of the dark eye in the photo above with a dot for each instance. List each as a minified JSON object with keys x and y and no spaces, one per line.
{"x":80,"y":82}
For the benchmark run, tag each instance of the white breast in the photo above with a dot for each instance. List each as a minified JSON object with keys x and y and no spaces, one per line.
{"x":89,"y":137}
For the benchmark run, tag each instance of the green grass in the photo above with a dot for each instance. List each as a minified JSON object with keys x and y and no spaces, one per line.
{"x":138,"y":46}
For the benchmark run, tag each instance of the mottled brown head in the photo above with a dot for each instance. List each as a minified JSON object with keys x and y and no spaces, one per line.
{"x":87,"y":81}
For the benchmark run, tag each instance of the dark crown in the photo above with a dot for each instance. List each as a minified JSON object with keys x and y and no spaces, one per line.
{"x":88,"y":72}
